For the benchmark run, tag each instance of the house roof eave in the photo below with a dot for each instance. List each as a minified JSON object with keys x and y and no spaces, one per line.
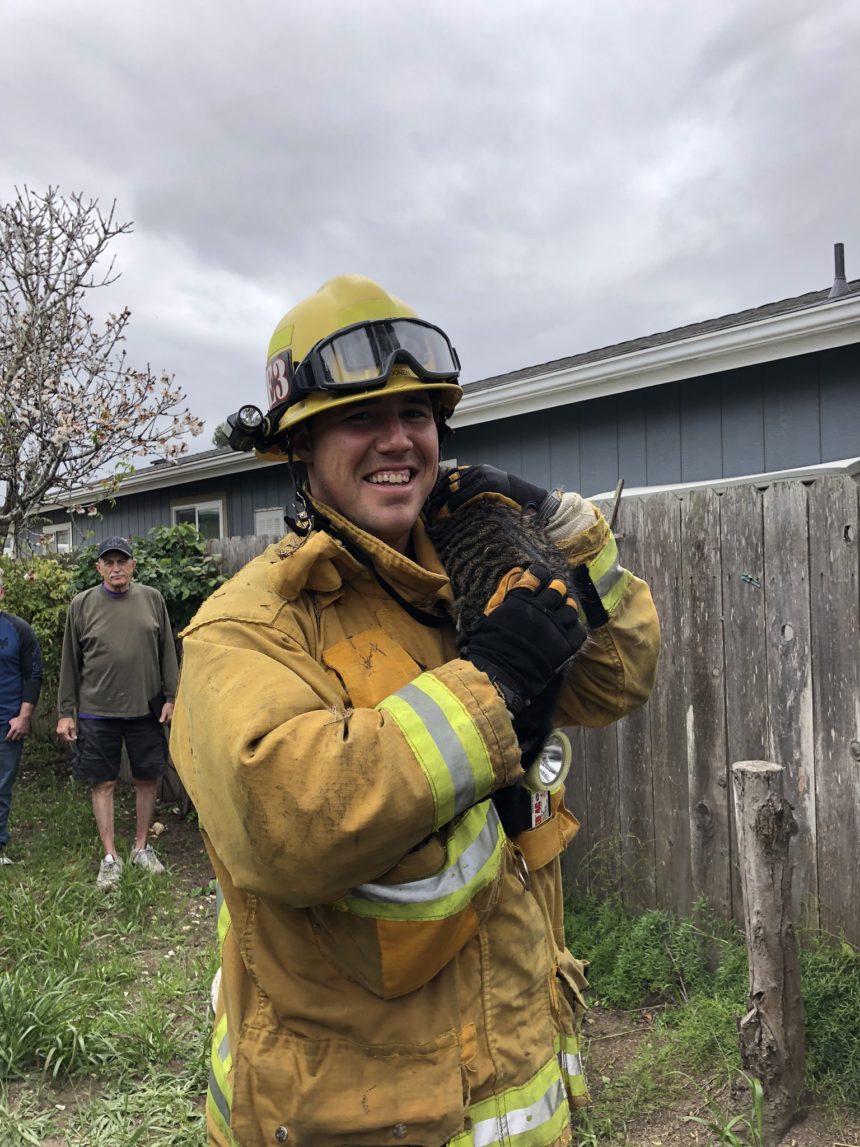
{"x":188,"y":470}
{"x":820,"y":327}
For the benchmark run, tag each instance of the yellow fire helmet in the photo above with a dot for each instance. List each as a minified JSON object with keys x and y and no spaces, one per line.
{"x":348,"y":342}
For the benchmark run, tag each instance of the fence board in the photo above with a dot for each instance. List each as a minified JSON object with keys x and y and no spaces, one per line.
{"x":233,"y":553}
{"x":705,"y":699}
{"x":833,"y":544}
{"x":747,"y":714}
{"x":601,"y":784}
{"x":789,"y":672}
{"x":574,"y":861}
{"x":636,"y":782}
{"x":662,"y":529}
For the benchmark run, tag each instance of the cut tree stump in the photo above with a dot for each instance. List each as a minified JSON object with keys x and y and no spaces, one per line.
{"x":771,"y":1034}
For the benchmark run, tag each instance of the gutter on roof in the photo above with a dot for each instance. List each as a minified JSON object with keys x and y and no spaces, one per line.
{"x":823,"y":326}
{"x":188,"y":470}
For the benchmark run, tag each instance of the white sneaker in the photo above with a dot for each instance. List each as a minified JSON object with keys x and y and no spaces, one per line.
{"x":146,"y":859}
{"x":110,"y":871}
{"x":4,"y":859}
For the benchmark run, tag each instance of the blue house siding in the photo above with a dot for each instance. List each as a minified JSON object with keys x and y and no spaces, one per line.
{"x":774,"y":416}
{"x":242,"y":494}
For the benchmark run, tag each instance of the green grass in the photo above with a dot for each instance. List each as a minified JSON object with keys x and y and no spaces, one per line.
{"x":102,"y":998}
{"x":699,"y":968}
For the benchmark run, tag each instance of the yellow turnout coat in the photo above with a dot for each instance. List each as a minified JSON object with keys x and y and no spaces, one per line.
{"x":393,"y":967}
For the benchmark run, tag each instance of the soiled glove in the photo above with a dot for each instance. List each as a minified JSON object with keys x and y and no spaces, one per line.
{"x":458,"y":487}
{"x":530,"y":632}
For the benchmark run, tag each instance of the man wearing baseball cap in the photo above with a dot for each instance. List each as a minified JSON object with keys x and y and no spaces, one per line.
{"x":117,"y":684}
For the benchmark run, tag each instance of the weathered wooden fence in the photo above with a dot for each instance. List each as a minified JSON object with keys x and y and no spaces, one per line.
{"x":757,"y":591}
{"x":233,"y":553}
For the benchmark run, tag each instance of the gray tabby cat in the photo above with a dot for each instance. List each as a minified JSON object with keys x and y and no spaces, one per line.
{"x":477,"y":546}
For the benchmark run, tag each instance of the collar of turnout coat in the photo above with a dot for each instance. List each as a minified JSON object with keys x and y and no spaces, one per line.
{"x":321,"y":563}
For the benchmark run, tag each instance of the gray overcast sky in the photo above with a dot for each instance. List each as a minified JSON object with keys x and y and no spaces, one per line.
{"x":538,"y":177}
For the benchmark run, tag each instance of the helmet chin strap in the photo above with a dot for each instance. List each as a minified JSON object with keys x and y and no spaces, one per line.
{"x":305,"y":519}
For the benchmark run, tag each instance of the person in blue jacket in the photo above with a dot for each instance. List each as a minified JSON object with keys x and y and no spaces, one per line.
{"x":20,"y":685}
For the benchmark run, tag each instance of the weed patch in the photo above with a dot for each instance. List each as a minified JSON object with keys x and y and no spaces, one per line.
{"x":103,"y":996}
{"x":698,"y":967}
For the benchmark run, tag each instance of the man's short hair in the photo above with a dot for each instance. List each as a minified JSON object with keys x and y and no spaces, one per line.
{"x":121,"y":545}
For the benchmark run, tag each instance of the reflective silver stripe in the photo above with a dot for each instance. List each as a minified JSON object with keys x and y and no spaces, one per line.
{"x":571,"y":1062}
{"x":612,"y":575}
{"x":218,"y":1097}
{"x":452,"y":878}
{"x":448,"y":743}
{"x":500,"y":1129}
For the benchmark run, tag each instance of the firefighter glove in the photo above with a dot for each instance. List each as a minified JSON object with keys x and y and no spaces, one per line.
{"x":463,"y":485}
{"x":528,"y":637}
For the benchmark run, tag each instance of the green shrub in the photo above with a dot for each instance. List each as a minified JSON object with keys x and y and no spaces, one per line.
{"x":172,"y":559}
{"x":700,"y":966}
{"x":830,"y":982}
{"x":39,"y":590}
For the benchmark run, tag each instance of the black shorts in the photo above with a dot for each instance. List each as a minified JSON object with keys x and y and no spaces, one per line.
{"x":98,"y":749}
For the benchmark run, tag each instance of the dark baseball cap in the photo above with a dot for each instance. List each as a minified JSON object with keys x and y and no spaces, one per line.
{"x":121,"y":545}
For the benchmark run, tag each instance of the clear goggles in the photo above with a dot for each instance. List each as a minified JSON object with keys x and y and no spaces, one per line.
{"x":362,"y":356}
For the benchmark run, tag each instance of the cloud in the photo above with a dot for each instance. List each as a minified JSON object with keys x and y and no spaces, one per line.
{"x":537,"y":177}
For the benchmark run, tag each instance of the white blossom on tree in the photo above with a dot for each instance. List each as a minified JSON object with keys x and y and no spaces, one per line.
{"x":73,"y":412}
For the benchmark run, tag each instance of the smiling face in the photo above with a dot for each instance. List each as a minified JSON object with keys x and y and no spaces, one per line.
{"x":115,"y":570}
{"x":375,"y":462}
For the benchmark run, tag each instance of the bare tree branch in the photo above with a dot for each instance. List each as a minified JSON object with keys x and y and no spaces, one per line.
{"x":71,"y":407}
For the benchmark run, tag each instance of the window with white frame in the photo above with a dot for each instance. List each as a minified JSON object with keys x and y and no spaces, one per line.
{"x":270,"y":521}
{"x":207,"y":517}
{"x":54,"y":539}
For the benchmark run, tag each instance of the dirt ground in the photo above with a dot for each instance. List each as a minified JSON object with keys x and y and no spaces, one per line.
{"x":613,"y":1038}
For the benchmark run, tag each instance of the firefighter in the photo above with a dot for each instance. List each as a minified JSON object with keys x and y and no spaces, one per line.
{"x":393,"y":968}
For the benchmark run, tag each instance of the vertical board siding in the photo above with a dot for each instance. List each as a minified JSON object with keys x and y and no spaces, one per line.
{"x":833,"y":583}
{"x":632,"y":455}
{"x":602,"y":808}
{"x":757,"y":592}
{"x":662,"y":534}
{"x":744,"y":635}
{"x":789,"y":672}
{"x":636,"y":781}
{"x":791,"y":412}
{"x":704,"y":698}
{"x":663,"y":436}
{"x":742,"y":423}
{"x":840,"y":403}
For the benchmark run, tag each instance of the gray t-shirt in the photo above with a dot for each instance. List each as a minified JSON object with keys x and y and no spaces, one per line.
{"x":118,"y":653}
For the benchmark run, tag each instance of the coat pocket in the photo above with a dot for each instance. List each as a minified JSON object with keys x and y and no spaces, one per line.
{"x":334,"y":1093}
{"x":371,"y":666}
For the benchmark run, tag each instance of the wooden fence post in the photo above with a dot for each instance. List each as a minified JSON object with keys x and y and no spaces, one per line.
{"x":771,"y":1034}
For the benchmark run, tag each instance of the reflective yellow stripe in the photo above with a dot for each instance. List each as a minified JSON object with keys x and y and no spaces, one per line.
{"x":446,"y":743}
{"x":222,"y":914}
{"x":570,"y":1062}
{"x":219,"y":1100}
{"x":473,"y":858}
{"x":534,"y":1114}
{"x":610,"y":579}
